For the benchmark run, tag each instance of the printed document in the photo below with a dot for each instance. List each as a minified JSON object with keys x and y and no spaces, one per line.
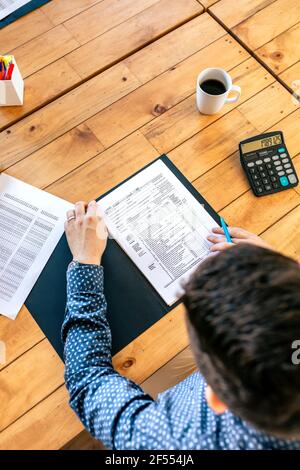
{"x":31,"y":224}
{"x":161,"y":227}
{"x":9,"y":6}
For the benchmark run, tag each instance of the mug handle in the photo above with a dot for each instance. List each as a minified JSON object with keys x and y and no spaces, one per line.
{"x":236,"y":97}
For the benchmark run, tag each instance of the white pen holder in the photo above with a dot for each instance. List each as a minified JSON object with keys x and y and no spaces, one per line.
{"x":12,"y":91}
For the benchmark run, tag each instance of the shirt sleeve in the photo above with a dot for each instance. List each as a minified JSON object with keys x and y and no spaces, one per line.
{"x":113,"y":409}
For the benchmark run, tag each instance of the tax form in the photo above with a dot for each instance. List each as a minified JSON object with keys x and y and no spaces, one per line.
{"x":161,"y":227}
{"x":9,"y":6}
{"x":31,"y":224}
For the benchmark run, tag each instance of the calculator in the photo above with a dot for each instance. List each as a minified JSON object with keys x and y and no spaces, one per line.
{"x":267,"y":163}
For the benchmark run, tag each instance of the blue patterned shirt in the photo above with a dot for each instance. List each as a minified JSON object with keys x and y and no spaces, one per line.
{"x":117,"y":411}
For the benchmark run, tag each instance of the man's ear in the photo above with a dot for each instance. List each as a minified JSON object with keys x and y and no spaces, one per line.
{"x":213,"y":401}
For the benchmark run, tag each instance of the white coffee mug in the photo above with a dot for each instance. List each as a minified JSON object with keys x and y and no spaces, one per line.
{"x":212,"y":103}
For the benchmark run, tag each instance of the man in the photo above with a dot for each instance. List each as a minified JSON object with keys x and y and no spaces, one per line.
{"x":243,"y":314}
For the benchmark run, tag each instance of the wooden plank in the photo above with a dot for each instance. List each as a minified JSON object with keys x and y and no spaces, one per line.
{"x":119,"y":162}
{"x":283,"y":51}
{"x":55,"y":79}
{"x":139,"y":30}
{"x":268,"y":23}
{"x":46,"y":48}
{"x":183,"y":120}
{"x":287,"y":241}
{"x":258,"y":214}
{"x":274,"y":102}
{"x":47,"y":426}
{"x":67,"y":112}
{"x":231,"y":15}
{"x":27,"y":381}
{"x":104,"y":16}
{"x":40,"y":88}
{"x":174,"y":47}
{"x":207,"y":3}
{"x":58,"y":11}
{"x":162,"y":93}
{"x":19,"y":335}
{"x":23,"y":30}
{"x":58,"y":158}
{"x":212,"y":145}
{"x":291,"y":78}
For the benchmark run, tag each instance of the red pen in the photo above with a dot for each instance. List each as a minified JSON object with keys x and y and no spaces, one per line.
{"x":9,"y":72}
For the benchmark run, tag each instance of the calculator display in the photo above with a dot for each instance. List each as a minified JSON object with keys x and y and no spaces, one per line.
{"x":262,"y":143}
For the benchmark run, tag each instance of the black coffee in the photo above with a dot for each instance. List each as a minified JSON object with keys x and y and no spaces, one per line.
{"x":213,"y":87}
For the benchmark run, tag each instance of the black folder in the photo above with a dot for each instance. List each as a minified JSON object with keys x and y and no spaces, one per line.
{"x":133,"y":304}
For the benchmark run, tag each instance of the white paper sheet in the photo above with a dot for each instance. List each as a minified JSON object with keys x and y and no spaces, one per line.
{"x":31,"y":224}
{"x":161,"y":227}
{"x":9,"y":6}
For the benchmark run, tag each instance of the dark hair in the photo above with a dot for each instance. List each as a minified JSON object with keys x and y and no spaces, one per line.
{"x":243,"y":307}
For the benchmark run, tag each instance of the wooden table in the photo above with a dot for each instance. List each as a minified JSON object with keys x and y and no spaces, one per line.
{"x":108,"y":89}
{"x":270,"y":29}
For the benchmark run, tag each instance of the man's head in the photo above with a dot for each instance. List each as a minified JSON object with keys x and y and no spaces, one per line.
{"x":243,"y":309}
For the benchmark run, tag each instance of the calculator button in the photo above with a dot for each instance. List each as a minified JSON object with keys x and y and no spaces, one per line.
{"x":281,"y":173}
{"x":268,"y":187}
{"x":257,"y":183}
{"x":275,"y":157}
{"x":292,"y":178}
{"x":285,"y":160}
{"x":250,"y":165}
{"x":287,"y":165}
{"x":283,"y":155}
{"x":269,"y":166}
{"x":266,"y":180}
{"x":267,"y":160}
{"x":275,"y":185}
{"x":273,"y":179}
{"x":261,"y":168}
{"x":282,"y":149}
{"x":252,"y":171}
{"x":255,"y":178}
{"x":271,"y":172}
{"x":259,"y":190}
{"x":284,"y":181}
{"x":277,"y":163}
{"x":258,"y":162}
{"x":263,"y":174}
{"x":279,"y":168}
{"x":289,"y":171}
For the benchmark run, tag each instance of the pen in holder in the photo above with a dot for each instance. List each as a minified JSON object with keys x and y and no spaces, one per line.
{"x":11,"y":84}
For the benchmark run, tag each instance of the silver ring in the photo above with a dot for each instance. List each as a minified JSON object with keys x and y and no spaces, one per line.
{"x":71,"y":218}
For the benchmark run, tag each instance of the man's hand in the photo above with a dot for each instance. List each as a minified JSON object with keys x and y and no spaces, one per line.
{"x":86,"y":233}
{"x":238,"y":235}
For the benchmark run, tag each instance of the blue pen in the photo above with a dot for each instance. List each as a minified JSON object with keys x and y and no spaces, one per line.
{"x":226,"y":232}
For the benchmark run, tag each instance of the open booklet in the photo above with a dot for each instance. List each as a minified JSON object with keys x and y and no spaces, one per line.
{"x":9,"y":6}
{"x":152,"y":216}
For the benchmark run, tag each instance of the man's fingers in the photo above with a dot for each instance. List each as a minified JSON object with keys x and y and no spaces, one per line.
{"x":92,"y":208}
{"x":80,"y":208}
{"x":70,"y":213}
{"x":216,"y":238}
{"x":236,"y":232}
{"x":221,"y":246}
